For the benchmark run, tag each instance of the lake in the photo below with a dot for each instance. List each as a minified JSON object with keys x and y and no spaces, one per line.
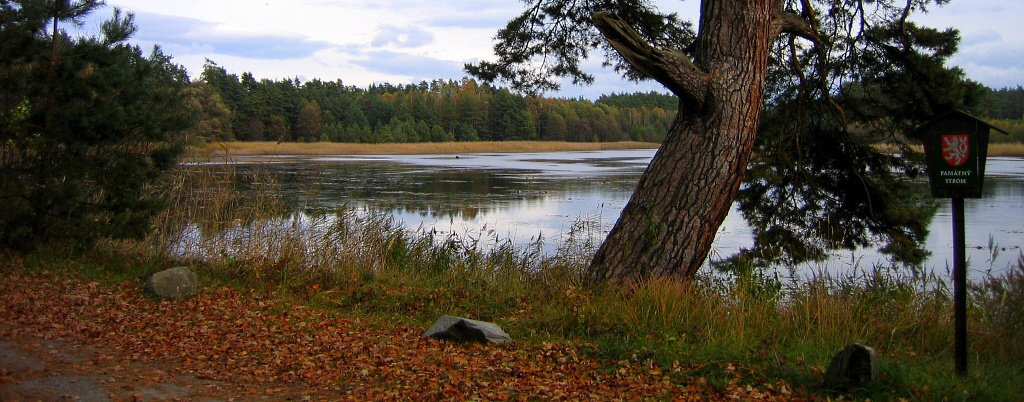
{"x":523,"y":196}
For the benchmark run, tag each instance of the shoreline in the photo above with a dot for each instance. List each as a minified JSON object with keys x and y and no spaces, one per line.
{"x":271,"y":148}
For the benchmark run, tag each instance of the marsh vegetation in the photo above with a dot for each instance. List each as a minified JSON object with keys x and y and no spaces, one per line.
{"x":365,"y":263}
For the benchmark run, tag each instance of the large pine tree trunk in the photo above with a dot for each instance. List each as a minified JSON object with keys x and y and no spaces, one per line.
{"x":669,"y":224}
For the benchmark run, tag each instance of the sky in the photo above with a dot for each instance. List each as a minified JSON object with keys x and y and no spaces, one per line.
{"x":362,"y":42}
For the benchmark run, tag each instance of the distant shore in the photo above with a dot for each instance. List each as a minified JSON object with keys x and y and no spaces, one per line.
{"x":239,"y":148}
{"x":1012,"y":149}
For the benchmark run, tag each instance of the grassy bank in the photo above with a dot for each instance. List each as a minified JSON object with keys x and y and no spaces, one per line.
{"x":748,"y":332}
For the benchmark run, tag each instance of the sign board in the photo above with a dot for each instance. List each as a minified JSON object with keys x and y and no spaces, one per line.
{"x":955,"y":149}
{"x":953,"y":164}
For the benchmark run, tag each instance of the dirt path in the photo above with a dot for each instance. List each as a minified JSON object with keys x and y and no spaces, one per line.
{"x":33,"y":369}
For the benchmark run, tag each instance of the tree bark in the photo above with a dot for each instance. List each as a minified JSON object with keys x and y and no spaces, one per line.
{"x":669,"y":225}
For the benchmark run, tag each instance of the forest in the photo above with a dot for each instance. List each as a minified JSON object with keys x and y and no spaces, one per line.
{"x":1005,"y":109}
{"x":244,"y":109}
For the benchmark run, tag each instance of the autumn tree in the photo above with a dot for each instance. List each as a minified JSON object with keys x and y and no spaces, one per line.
{"x":213,"y":116}
{"x":815,"y":83}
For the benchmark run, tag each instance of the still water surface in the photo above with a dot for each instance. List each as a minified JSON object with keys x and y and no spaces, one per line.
{"x":521,"y":196}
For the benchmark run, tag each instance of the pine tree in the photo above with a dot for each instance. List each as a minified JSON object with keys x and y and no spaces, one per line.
{"x":87,"y":125}
{"x":811,"y":85}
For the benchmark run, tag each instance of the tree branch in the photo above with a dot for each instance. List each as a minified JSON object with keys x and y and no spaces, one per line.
{"x":671,"y":68}
{"x":793,"y":23}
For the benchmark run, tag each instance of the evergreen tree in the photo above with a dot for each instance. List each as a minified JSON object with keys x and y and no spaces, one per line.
{"x":553,"y":127}
{"x":465,"y":111}
{"x":821,"y":79}
{"x":309,"y":123}
{"x":87,"y":124}
{"x":639,"y":100}
{"x":1005,"y":103}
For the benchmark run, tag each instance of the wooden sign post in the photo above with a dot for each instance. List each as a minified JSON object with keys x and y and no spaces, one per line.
{"x":955,"y":149}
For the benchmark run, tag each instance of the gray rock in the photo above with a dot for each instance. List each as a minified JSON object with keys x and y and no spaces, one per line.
{"x":460,"y":329}
{"x":854,"y":366}
{"x":175,"y":283}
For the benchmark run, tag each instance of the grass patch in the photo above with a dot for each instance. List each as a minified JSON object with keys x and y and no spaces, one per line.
{"x":749,"y":329}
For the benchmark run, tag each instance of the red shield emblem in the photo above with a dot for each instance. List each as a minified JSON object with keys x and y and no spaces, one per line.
{"x":955,"y":149}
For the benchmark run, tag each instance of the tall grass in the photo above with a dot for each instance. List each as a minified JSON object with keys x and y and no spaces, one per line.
{"x":821,"y":313}
{"x":999,"y":310}
{"x":359,"y":261}
{"x":1007,"y":149}
{"x":236,"y":225}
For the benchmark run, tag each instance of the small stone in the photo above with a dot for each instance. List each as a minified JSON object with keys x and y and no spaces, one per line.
{"x":458,"y":329}
{"x":175,"y":283}
{"x":854,"y":366}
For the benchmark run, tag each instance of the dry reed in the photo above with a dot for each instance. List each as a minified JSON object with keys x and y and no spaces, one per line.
{"x":221,"y":149}
{"x":1005,"y":149}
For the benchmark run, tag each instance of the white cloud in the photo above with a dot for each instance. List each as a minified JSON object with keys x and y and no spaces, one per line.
{"x":415,"y":67}
{"x":407,"y":37}
{"x":401,"y":41}
{"x":992,"y":47}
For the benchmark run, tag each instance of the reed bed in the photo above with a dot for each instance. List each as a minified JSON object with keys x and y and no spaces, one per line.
{"x":221,"y":149}
{"x":363,"y":262}
{"x":1005,"y":149}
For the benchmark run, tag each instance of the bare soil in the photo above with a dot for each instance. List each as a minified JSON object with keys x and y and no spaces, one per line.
{"x":33,"y":369}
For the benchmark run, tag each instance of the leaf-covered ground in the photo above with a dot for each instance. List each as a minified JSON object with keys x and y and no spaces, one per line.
{"x":235,"y":345}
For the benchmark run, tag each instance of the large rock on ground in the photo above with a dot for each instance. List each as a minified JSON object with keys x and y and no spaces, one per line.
{"x":460,"y":329}
{"x":175,"y":283}
{"x":854,"y":366}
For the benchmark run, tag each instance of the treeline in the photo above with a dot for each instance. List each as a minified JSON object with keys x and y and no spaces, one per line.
{"x":244,"y":109}
{"x":1005,"y":109}
{"x":1004,"y":104}
{"x":1014,"y":128}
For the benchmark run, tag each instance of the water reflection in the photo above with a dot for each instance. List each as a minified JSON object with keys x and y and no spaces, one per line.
{"x":526,"y":196}
{"x":997,"y":217}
